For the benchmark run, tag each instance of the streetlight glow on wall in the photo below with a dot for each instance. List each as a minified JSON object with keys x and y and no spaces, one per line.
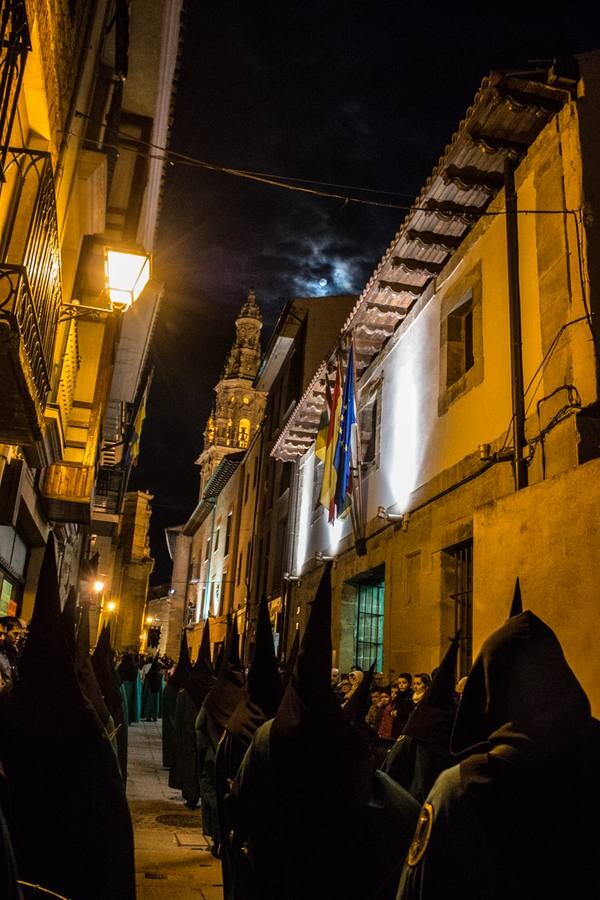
{"x":127,"y":274}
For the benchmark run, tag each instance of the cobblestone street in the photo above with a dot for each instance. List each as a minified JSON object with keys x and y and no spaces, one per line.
{"x":172,"y":860}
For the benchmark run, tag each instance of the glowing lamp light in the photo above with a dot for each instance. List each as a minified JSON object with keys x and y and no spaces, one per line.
{"x":127,"y":274}
{"x":149,"y":620}
{"x":98,"y":587}
{"x":111,"y":606}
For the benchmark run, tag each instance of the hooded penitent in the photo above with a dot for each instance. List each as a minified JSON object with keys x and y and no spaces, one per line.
{"x":174,"y":684}
{"x":69,"y":619}
{"x":521,"y":693}
{"x":224,"y":695}
{"x":518,"y":816}
{"x":263,"y":692}
{"x":318,"y":822}
{"x":259,"y":702}
{"x":184,"y":772}
{"x":516,"y":607}
{"x":210,"y":724}
{"x":290,"y":663}
{"x":85,"y":670}
{"x":152,"y":691}
{"x":110,"y":685}
{"x":71,"y":826}
{"x":416,"y":760}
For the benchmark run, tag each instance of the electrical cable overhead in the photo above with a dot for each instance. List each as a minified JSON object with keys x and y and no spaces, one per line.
{"x":173,"y":158}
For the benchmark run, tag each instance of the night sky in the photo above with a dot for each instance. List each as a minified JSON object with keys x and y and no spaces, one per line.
{"x":361,"y":94}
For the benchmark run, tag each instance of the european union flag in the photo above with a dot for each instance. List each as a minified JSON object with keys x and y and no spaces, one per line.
{"x":343,"y":450}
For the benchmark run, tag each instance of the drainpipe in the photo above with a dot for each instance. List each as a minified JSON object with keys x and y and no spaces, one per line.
{"x":516,"y":343}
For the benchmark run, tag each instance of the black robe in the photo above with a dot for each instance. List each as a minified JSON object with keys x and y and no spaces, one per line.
{"x":517,"y":817}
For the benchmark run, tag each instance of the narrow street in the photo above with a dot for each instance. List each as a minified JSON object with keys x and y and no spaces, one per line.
{"x":172,"y":861}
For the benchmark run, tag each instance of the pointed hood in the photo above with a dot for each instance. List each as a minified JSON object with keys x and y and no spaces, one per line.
{"x":203,"y":664}
{"x":516,"y":607}
{"x":49,"y":690}
{"x":225,"y":694}
{"x":357,"y":706}
{"x":106,"y":676}
{"x":290,"y":664}
{"x":201,"y":678}
{"x":522,"y":693}
{"x":311,"y":741}
{"x":154,"y":675}
{"x":69,"y":619}
{"x":63,"y":773}
{"x":128,"y":669}
{"x":263,"y":693}
{"x":431,"y":722}
{"x":84,"y":669}
{"x":184,"y":665}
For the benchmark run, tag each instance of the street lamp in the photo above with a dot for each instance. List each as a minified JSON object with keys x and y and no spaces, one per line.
{"x":111,"y":606}
{"x":98,"y":587}
{"x":127,"y":274}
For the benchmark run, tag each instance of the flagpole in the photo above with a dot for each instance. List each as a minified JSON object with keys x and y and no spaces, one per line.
{"x":360,"y":542}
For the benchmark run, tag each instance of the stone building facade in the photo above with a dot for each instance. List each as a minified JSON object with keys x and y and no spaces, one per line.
{"x":477,"y":386}
{"x":78,"y":80}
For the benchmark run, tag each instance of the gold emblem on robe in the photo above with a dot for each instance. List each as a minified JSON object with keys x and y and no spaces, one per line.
{"x":422,"y":834}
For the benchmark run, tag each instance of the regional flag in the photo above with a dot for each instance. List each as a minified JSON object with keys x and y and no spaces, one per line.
{"x":327,"y":497}
{"x":321,"y":444}
{"x":138,"y":424}
{"x":343,"y":451}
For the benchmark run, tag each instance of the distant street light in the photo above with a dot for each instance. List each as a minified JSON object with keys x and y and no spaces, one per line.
{"x":111,"y":606}
{"x":98,"y":587}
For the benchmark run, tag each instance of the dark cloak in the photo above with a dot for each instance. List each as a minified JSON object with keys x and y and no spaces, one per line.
{"x":152,"y":691}
{"x":9,"y":886}
{"x":418,"y":757}
{"x":290,"y":664}
{"x":180,"y":674}
{"x":69,"y":620}
{"x":316,"y":821}
{"x":259,"y":702}
{"x":518,"y":817}
{"x":71,"y":826}
{"x":129,"y":673}
{"x":216,"y":711}
{"x":85,"y":670}
{"x":184,"y":772}
{"x":110,"y":685}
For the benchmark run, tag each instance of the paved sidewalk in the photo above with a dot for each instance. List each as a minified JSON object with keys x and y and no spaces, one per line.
{"x":172,"y":861}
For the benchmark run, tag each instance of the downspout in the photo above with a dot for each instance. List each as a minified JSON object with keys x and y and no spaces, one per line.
{"x":290,"y":554}
{"x":516,"y":342}
{"x":257,"y":503}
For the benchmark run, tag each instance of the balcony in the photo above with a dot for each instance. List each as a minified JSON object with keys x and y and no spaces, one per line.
{"x":14,"y":47}
{"x":67,"y":492}
{"x":30,"y":293}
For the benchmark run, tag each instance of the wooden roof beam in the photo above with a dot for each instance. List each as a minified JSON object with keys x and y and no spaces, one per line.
{"x":519,"y":100}
{"x":400,"y":288}
{"x":471,"y":177}
{"x":446,"y":209}
{"x":492,"y":143}
{"x":417,"y":265}
{"x":434,"y":239}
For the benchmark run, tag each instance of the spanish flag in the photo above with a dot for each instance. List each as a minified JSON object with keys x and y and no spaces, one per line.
{"x":327,"y":497}
{"x":321,"y":443}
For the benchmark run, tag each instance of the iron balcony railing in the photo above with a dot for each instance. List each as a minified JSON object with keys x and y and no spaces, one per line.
{"x":30,"y":279}
{"x":14,"y":47}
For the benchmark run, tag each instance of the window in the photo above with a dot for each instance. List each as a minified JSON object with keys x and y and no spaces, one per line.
{"x":255,"y":473}
{"x":369,"y":417}
{"x":217,"y":534}
{"x":243,"y":433}
{"x":239,"y":567}
{"x":247,"y":488}
{"x":457,"y":585}
{"x":459,"y":347}
{"x":227,"y":535}
{"x":207,"y":553}
{"x":461,"y":340}
{"x":369,"y":626}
